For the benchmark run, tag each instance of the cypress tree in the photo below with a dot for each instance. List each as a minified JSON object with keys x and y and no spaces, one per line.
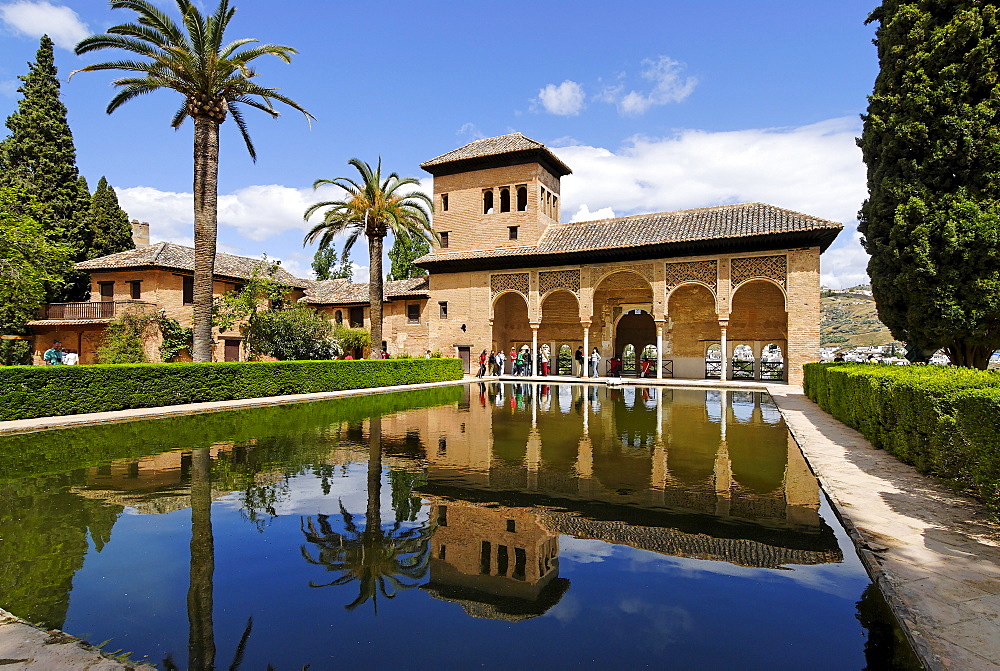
{"x":39,"y":156}
{"x":110,"y":227}
{"x":931,"y":142}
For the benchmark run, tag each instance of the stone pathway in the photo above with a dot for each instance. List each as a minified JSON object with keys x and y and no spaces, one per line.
{"x":934,"y":553}
{"x":23,"y":646}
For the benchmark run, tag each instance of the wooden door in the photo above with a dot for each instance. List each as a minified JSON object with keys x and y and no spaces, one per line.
{"x":465,"y":354}
{"x":232,"y":350}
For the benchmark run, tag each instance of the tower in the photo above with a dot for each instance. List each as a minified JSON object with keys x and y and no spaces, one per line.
{"x":495,"y":192}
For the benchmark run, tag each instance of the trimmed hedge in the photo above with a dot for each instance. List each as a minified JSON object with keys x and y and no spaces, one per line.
{"x":944,"y":421}
{"x":42,"y":391}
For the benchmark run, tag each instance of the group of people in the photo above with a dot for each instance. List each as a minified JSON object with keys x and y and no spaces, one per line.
{"x":57,"y":355}
{"x":493,"y":362}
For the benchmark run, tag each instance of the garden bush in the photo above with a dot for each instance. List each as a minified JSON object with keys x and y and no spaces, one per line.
{"x":41,"y":391}
{"x":943,"y":420}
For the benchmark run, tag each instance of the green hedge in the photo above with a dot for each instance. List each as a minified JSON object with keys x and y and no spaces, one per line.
{"x":42,"y":391}
{"x":944,"y":421}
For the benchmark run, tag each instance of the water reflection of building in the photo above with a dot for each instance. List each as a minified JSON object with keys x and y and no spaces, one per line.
{"x":498,"y":562}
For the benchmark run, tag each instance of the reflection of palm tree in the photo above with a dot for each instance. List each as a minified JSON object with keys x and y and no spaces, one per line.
{"x":201,"y":637}
{"x":381,"y":560}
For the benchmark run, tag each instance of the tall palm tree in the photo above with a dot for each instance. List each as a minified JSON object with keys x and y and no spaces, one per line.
{"x":214,"y":78}
{"x":373,"y":207}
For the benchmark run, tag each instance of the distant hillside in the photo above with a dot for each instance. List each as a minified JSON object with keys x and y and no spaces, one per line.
{"x":850,"y":320}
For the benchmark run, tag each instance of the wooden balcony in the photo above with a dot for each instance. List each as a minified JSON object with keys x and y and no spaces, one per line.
{"x":95,"y":309}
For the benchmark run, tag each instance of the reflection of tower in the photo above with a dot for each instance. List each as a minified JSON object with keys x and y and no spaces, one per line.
{"x":497,"y":562}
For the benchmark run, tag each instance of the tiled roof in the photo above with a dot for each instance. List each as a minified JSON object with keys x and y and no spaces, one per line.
{"x":343,"y":292}
{"x":493,"y":147}
{"x":724,"y":222}
{"x":178,"y":257}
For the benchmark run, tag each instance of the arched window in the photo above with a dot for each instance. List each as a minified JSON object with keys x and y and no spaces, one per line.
{"x":772,"y":363}
{"x":713,"y":361}
{"x":565,"y":362}
{"x":628,"y":357}
{"x":338,"y":317}
{"x":505,"y":200}
{"x":488,"y":202}
{"x":522,"y":199}
{"x":743,"y":362}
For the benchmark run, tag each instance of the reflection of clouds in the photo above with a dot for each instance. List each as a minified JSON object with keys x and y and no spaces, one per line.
{"x":566,"y":610}
{"x":667,"y":623}
{"x":583,"y":551}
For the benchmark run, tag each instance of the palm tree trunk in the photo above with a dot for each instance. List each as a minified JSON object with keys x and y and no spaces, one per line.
{"x":375,"y":292}
{"x":206,"y":195}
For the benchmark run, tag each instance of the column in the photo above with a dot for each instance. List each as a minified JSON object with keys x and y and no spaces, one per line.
{"x":534,"y":349}
{"x":534,"y":458}
{"x":723,"y":327}
{"x":586,"y":349}
{"x":723,"y":479}
{"x":659,"y":348}
{"x":584,"y":465}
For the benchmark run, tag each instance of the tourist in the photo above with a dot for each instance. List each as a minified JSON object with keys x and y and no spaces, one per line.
{"x":527,"y":362}
{"x":512,"y":357}
{"x":482,"y":364}
{"x":53,"y":355}
{"x":519,"y":363}
{"x":595,"y":363}
{"x":71,"y":358}
{"x":427,"y":355}
{"x":383,"y":354}
{"x":544,"y":354}
{"x":578,"y":359}
{"x":499,"y":362}
{"x":839,"y":358}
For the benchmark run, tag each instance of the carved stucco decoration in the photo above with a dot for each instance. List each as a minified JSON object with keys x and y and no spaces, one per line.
{"x":705,"y":272}
{"x":559,"y":279}
{"x":773,"y":268}
{"x":599,"y":274}
{"x":509,"y":282}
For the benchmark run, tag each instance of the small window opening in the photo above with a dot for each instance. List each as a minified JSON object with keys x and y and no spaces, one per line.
{"x":357,"y":317}
{"x":443,"y":305}
{"x":413,"y":314}
{"x":505,"y":200}
{"x":488,"y":202}
{"x":555,"y":207}
{"x":511,"y":526}
{"x":444,"y":202}
{"x":188,"y":290}
{"x":522,"y":199}
{"x":444,"y":240}
{"x":135,"y":289}
{"x":338,"y":317}
{"x":512,"y":232}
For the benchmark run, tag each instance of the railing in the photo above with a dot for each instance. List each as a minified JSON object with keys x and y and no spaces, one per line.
{"x":713,"y":369}
{"x":96,"y":309}
{"x":742,"y":370}
{"x":772,"y":370}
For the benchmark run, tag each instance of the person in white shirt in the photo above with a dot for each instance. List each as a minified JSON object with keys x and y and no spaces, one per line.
{"x":71,"y":358}
{"x":595,"y":362}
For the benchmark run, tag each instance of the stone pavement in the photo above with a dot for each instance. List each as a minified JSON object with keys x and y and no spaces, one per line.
{"x":23,"y":646}
{"x":934,"y":553}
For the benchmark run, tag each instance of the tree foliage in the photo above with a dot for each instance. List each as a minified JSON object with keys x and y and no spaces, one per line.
{"x":931,"y":141}
{"x":373,"y":207}
{"x":39,"y":157}
{"x":405,"y":250}
{"x":329,"y":265}
{"x":215,"y":78}
{"x":124,"y":338}
{"x":28,"y":261}
{"x":111,"y":231}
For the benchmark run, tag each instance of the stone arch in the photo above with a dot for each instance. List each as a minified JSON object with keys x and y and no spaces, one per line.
{"x":559,"y":322}
{"x":744,"y":283}
{"x":711,"y":290}
{"x":692,"y":326}
{"x":510,"y":320}
{"x":617,"y":291}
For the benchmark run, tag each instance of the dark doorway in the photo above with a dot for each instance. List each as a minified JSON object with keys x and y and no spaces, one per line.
{"x":465,"y":354}
{"x":107,"y":291}
{"x":232,"y":350}
{"x":638,"y":329}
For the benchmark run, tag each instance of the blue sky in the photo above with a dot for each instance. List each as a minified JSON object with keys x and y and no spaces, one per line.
{"x":654,"y":105}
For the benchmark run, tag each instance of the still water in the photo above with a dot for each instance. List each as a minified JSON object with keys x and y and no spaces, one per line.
{"x":501,"y":526}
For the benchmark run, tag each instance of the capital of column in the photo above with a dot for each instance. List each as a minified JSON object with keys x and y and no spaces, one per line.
{"x":535,"y":325}
{"x":723,"y":323}
{"x":585,"y":324}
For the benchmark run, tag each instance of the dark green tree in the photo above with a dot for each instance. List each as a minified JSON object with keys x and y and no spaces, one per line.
{"x":405,"y":250}
{"x":329,"y":265}
{"x":111,"y":230}
{"x":39,"y":156}
{"x":931,"y":142}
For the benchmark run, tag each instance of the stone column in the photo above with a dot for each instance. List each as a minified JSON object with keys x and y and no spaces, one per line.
{"x":586,"y":349}
{"x":723,"y":327}
{"x":534,"y":349}
{"x":659,"y":348}
{"x":723,"y":479}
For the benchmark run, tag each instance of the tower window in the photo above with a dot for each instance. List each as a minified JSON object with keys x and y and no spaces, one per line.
{"x":413,"y":314}
{"x":488,"y":202}
{"x":443,"y":306}
{"x":505,"y":200}
{"x":444,"y":202}
{"x":522,"y":199}
{"x":444,"y":240}
{"x":187,"y":290}
{"x":135,"y":289}
{"x":512,"y":232}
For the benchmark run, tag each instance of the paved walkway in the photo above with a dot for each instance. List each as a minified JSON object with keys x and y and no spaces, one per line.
{"x":935,"y":554}
{"x":23,"y":646}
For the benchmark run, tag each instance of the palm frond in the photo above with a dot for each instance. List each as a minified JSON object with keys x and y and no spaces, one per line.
{"x":237,"y":115}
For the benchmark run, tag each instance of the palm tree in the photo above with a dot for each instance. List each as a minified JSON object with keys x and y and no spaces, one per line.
{"x":374,"y":207}
{"x":214,"y":79}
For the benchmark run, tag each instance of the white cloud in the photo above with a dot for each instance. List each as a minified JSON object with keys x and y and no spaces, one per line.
{"x":584,"y":214}
{"x":566,"y":99}
{"x":471,"y":130}
{"x":35,"y":19}
{"x":669,"y":86}
{"x":815,"y":169}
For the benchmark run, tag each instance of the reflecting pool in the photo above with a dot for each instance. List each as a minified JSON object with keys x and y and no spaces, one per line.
{"x":503,"y":526}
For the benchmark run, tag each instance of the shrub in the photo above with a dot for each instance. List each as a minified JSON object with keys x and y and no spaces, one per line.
{"x":41,"y":391}
{"x":295,"y":333}
{"x":942,"y":420}
{"x":123,"y":339}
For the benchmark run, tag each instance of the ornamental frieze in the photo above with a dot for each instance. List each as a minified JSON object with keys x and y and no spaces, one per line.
{"x":559,"y":279}
{"x":773,"y":268}
{"x":704,"y":272}
{"x":509,"y":282}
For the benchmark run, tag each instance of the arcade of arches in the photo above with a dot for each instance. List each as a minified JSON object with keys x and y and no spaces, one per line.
{"x":649,"y":318}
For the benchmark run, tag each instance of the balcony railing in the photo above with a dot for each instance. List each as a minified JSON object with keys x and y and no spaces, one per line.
{"x":96,"y":309}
